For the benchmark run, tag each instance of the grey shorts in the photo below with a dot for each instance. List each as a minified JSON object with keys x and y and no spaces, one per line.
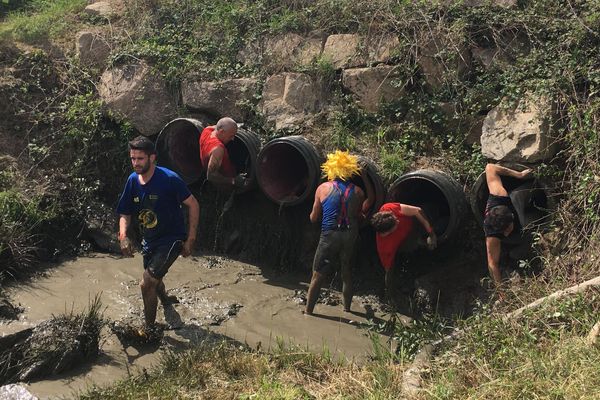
{"x":336,"y":248}
{"x":158,"y":260}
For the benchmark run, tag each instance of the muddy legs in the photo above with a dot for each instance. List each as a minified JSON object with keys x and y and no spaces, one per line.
{"x":313,"y":291}
{"x":391,"y":287}
{"x":150,"y":289}
{"x":164,"y":298}
{"x":347,"y":285}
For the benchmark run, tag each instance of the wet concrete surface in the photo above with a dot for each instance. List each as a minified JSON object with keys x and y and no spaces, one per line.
{"x":217,"y":296}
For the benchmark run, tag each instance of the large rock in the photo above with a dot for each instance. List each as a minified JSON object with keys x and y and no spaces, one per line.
{"x":100,"y":228}
{"x":291,"y":50}
{"x":289,"y":99}
{"x":283,"y":52}
{"x":380,"y":48}
{"x":506,"y":49}
{"x":139,"y":95}
{"x":371,"y":86}
{"x":101,"y":9}
{"x":343,"y":51}
{"x":15,"y":391}
{"x":224,"y":98}
{"x":523,"y":133}
{"x":92,"y":49}
{"x":441,"y":59}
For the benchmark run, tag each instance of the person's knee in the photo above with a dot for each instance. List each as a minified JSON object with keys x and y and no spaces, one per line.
{"x":149,"y":283}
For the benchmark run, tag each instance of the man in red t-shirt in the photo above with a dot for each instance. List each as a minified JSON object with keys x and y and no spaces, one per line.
{"x":214,"y":156}
{"x":393,"y":224}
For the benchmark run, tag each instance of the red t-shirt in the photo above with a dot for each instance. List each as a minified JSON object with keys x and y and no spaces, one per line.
{"x":207,"y":144}
{"x":388,"y":245}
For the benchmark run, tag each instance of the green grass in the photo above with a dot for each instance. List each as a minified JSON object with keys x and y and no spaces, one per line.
{"x":541,"y":355}
{"x":41,"y":19}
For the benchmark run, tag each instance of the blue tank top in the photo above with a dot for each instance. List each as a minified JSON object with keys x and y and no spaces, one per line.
{"x":335,"y":206}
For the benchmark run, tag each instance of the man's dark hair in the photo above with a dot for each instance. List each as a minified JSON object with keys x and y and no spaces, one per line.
{"x":383,"y":221}
{"x":144,"y":144}
{"x":497,"y":220}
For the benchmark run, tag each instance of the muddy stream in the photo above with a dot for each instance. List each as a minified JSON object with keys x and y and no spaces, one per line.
{"x":216,"y":294}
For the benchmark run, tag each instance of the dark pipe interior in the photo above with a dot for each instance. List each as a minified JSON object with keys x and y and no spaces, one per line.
{"x":358,"y":181}
{"x":239,"y":155}
{"x":425,"y":194}
{"x":180,"y":143}
{"x":284,"y":172}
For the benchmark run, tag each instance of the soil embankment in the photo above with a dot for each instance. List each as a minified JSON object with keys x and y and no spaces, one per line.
{"x":217,"y":295}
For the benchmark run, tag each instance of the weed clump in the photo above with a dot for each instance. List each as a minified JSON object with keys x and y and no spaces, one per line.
{"x":52,"y":347}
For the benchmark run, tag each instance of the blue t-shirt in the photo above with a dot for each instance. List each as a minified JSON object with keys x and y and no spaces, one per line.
{"x":157,"y":205}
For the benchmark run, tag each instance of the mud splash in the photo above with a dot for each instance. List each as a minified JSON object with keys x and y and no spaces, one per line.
{"x":217,"y":296}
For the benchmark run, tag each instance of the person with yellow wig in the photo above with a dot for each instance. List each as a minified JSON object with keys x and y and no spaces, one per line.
{"x":340,"y":203}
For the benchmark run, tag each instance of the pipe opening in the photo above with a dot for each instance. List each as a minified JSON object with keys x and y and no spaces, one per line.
{"x":243,"y":151}
{"x":421,"y":192}
{"x":283,"y":173}
{"x":371,"y":174}
{"x":178,"y":149}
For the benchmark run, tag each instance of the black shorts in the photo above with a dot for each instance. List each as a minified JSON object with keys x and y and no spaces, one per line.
{"x":158,"y":260}
{"x":335,"y":248}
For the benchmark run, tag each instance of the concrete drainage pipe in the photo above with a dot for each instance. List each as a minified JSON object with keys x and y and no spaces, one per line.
{"x":288,"y":170}
{"x":441,"y":198}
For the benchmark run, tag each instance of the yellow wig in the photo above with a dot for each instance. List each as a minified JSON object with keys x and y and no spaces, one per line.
{"x":340,"y":165}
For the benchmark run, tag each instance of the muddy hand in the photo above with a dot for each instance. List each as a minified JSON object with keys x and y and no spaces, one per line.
{"x":432,"y":241}
{"x":240,"y":181}
{"x":526,"y":172}
{"x":188,"y":247}
{"x":126,"y":248}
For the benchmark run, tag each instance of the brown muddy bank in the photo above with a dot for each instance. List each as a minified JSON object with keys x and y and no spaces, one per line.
{"x":218,"y":296}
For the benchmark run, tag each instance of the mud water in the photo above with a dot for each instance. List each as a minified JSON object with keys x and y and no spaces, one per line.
{"x":217,"y":296}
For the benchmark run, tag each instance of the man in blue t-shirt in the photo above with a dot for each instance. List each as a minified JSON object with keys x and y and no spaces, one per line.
{"x":154,"y":196}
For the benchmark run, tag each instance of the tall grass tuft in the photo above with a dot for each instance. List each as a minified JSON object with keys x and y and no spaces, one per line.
{"x":37,"y":20}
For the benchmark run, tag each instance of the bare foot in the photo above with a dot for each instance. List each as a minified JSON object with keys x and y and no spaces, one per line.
{"x":306,"y":312}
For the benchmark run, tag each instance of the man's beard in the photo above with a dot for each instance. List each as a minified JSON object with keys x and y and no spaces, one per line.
{"x":143,"y":169}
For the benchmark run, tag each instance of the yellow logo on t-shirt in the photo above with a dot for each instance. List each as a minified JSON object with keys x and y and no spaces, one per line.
{"x":148,"y":219}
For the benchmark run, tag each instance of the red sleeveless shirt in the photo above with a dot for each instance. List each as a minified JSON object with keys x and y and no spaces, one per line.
{"x":207,"y":144}
{"x":388,"y":245}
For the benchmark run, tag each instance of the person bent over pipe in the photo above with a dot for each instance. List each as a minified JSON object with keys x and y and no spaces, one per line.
{"x":214,"y":156}
{"x":154,"y":195}
{"x":340,"y":203}
{"x":393,"y":224}
{"x":498,"y":219}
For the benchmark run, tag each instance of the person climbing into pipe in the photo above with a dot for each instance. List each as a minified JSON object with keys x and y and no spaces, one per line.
{"x":154,"y":195}
{"x":341,"y":204}
{"x":214,"y":156}
{"x":393,"y":224}
{"x":499,"y":218}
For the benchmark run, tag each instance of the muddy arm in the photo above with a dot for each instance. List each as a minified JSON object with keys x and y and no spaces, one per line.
{"x":214,"y":164}
{"x":417,"y":212}
{"x":124,"y":221}
{"x":493,"y":247}
{"x":316,"y":209}
{"x":125,"y":244}
{"x":370,"y":191}
{"x":193,"y":216}
{"x":494,"y":183}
